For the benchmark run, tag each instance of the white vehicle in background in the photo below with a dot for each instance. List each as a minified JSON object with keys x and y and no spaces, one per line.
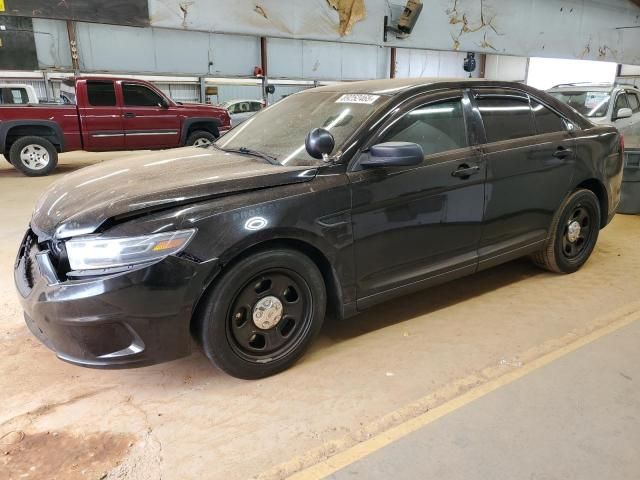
{"x":240,"y":110}
{"x":17,"y":94}
{"x":617,"y":105}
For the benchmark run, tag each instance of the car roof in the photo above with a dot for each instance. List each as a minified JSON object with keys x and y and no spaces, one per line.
{"x":583,"y":87}
{"x":243,"y":100}
{"x":393,"y":86}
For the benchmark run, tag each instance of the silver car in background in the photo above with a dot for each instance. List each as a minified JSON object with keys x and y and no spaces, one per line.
{"x":617,"y":105}
{"x":240,"y":110}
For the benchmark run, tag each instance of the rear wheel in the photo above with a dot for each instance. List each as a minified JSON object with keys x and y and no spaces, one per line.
{"x":263,"y":313}
{"x":574,"y":232}
{"x":33,"y":156}
{"x":200,"y":138}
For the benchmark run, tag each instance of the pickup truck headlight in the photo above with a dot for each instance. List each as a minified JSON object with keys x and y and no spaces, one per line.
{"x":86,"y":253}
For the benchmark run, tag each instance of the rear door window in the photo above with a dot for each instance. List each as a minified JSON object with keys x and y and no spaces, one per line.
{"x":505,"y":118}
{"x":101,"y":94}
{"x":547,"y":121}
{"x":436,"y":127}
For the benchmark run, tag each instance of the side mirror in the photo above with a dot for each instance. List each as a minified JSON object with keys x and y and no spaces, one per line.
{"x":319,"y":143}
{"x":623,"y":113}
{"x":394,"y":154}
{"x":163,"y":104}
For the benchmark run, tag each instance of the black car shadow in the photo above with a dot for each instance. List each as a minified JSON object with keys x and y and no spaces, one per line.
{"x":428,"y":301}
{"x":198,"y":369}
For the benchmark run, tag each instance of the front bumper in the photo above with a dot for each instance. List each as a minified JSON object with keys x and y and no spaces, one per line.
{"x":127,"y":319}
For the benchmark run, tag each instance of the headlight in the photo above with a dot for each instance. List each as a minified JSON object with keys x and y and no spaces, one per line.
{"x":99,"y":252}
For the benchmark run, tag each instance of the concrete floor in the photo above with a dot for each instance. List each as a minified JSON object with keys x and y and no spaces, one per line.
{"x":363,"y":376}
{"x":576,"y":418}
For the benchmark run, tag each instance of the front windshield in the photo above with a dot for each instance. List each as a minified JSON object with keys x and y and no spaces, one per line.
{"x":589,"y":104}
{"x":279,"y":131}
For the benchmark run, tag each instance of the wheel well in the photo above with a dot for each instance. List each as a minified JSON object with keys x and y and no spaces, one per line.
{"x":32,"y":130}
{"x":598,"y":189}
{"x":331,"y":282}
{"x":210,"y":127}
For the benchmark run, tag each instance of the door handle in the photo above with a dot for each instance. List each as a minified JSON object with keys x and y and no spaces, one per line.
{"x":562,"y":152}
{"x":129,"y":115}
{"x":465,"y":171}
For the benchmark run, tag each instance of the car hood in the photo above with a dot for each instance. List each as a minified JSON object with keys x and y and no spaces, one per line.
{"x":83,"y":200}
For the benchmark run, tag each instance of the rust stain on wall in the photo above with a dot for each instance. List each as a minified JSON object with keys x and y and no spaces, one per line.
{"x":260,"y":11}
{"x":456,"y":17}
{"x":350,"y":12}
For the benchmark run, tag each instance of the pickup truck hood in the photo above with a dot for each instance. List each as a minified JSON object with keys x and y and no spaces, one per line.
{"x":81,"y":201}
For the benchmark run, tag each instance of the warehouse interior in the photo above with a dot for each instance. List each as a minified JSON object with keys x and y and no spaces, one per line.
{"x":509,"y":372}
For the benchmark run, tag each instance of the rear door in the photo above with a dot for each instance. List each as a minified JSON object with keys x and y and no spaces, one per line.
{"x":148,"y":121}
{"x":100,"y":116}
{"x":530,"y":162}
{"x":416,"y":225}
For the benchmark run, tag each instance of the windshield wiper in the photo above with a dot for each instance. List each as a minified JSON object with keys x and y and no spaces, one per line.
{"x":248,"y":151}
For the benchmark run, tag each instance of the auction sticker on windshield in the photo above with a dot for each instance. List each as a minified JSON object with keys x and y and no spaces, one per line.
{"x":595,"y":99}
{"x":358,"y":98}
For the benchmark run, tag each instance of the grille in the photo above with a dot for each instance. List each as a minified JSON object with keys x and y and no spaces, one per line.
{"x":27,"y":265}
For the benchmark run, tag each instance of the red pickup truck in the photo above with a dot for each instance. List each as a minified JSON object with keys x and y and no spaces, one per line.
{"x":109,"y":114}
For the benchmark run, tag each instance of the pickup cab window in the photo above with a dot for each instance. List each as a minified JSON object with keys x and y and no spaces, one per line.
{"x":101,"y":94}
{"x":136,"y":95}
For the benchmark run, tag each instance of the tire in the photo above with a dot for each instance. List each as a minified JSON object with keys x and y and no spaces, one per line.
{"x":200,"y":138}
{"x":227,"y":322}
{"x":568,"y":247}
{"x":33,"y":156}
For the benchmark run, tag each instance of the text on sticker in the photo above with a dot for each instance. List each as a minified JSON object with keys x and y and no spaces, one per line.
{"x":358,"y":98}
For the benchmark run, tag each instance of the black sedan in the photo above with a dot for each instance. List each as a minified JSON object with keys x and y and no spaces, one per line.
{"x":328,"y":202}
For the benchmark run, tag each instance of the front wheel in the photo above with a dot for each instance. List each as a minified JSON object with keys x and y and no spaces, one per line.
{"x":200,"y":138}
{"x":262,"y":313}
{"x":33,"y":156}
{"x":574,"y":232}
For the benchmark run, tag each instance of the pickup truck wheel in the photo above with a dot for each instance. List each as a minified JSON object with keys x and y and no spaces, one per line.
{"x":33,"y":156}
{"x":263,"y":313}
{"x":573,"y":236}
{"x":201,"y":138}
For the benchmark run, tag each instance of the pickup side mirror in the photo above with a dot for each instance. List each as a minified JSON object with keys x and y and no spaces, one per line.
{"x":163,"y":103}
{"x":393,"y":154}
{"x":623,"y":113}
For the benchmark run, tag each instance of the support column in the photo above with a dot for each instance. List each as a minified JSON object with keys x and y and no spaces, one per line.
{"x":263,"y":65}
{"x":392,"y":64}
{"x":73,"y":46}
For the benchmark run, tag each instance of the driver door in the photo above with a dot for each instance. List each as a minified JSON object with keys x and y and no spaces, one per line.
{"x":417,"y":226}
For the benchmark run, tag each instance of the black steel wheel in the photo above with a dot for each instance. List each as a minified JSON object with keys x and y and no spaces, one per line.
{"x":577,"y":231}
{"x":262,"y":313}
{"x":270,"y":315}
{"x":573,"y":234}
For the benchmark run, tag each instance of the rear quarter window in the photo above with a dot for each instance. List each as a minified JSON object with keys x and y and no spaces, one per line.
{"x":547,"y":121}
